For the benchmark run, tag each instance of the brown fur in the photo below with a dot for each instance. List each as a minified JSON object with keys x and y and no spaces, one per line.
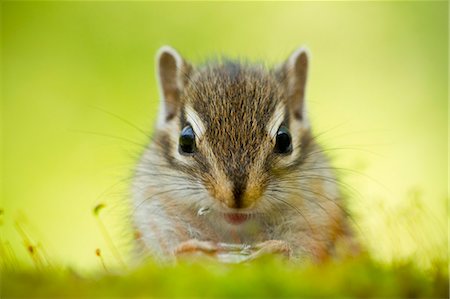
{"x":292,"y":198}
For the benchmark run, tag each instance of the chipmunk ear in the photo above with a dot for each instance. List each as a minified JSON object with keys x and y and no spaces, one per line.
{"x":172,"y":72}
{"x":295,"y":73}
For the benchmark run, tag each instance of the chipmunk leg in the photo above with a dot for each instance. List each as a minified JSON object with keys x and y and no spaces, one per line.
{"x":272,"y":247}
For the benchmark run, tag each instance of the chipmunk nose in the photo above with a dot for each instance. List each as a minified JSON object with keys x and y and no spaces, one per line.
{"x":237,"y":191}
{"x":246,"y":193}
{"x":238,"y":194}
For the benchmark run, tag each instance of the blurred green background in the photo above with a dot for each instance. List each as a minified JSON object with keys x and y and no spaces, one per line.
{"x":378,"y":88}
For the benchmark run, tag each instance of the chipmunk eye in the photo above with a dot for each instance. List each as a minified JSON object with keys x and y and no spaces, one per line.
{"x":187,"y":140}
{"x":283,"y":144}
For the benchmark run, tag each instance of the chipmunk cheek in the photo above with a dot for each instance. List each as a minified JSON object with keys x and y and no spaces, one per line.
{"x":252,"y":196}
{"x":223,"y":193}
{"x":219,"y":189}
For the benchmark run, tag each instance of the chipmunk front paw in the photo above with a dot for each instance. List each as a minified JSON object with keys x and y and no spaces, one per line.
{"x":277,"y":247}
{"x":195,"y":248}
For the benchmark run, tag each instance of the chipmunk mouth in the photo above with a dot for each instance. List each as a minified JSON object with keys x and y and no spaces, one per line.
{"x":236,"y":218}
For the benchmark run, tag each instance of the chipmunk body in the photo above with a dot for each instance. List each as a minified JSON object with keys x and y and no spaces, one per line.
{"x":233,"y":160}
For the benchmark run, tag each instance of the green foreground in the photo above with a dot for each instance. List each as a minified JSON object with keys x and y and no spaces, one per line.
{"x":267,"y":277}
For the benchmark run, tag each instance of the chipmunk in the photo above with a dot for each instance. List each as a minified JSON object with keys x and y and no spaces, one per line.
{"x":233,"y":161}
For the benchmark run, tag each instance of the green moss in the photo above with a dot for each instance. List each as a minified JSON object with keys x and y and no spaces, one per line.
{"x":267,"y":277}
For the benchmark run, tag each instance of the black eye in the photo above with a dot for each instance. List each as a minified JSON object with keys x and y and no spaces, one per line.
{"x":187,"y":140}
{"x":283,"y":143}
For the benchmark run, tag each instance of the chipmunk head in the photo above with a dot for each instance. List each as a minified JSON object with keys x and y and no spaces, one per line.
{"x":232,"y":127}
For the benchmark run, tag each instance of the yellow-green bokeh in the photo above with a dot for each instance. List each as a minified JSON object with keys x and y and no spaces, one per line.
{"x":378,"y":86}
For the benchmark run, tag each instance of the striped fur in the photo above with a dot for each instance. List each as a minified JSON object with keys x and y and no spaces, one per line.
{"x":235,"y":110}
